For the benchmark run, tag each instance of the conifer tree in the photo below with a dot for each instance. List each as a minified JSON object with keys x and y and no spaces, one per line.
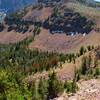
{"x":74,"y":81}
{"x":84,"y":65}
{"x":82,"y":50}
{"x":42,"y":89}
{"x":54,"y":86}
{"x":35,"y":95}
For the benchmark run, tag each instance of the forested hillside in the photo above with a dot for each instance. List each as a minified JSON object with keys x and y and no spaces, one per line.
{"x":50,"y":51}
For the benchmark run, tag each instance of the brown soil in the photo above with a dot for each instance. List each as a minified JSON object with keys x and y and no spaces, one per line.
{"x":62,"y":43}
{"x":41,"y":14}
{"x":12,"y":37}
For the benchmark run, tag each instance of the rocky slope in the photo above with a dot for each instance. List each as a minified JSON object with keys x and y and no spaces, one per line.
{"x":88,"y":90}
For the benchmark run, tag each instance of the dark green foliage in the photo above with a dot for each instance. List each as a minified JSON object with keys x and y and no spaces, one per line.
{"x":36,"y":31}
{"x":42,"y":89}
{"x":97,"y":71}
{"x":84,"y":66}
{"x":56,"y":12}
{"x":89,"y":67}
{"x":82,"y":50}
{"x":20,"y":56}
{"x":54,"y":86}
{"x":87,"y":64}
{"x":90,"y":72}
{"x":78,"y":76}
{"x":13,"y":86}
{"x":89,"y":61}
{"x":10,"y":89}
{"x":63,"y":57}
{"x":68,"y":86}
{"x":74,"y":81}
{"x":3,"y":85}
{"x":19,"y":62}
{"x":89,"y":48}
{"x":34,"y":90}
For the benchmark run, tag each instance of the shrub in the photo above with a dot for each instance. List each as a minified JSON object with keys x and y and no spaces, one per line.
{"x":68,"y":86}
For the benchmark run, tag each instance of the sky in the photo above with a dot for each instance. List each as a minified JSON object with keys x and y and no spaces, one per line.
{"x":97,"y":0}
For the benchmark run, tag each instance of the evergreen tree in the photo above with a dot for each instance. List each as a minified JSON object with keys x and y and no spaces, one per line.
{"x":68,"y":86}
{"x":97,"y":71}
{"x":54,"y":86}
{"x":82,"y":50}
{"x":89,"y":60}
{"x":89,"y":48}
{"x":78,"y":75}
{"x":84,"y":65}
{"x":42,"y":89}
{"x":34,"y":90}
{"x":74,"y":81}
{"x":3,"y":85}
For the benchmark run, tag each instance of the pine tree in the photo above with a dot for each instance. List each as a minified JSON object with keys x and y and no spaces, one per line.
{"x":89,"y":61}
{"x":78,"y":76}
{"x":68,"y":86}
{"x":74,"y":81}
{"x":82,"y":50}
{"x":42,"y":89}
{"x":89,"y":48}
{"x":54,"y":86}
{"x":97,"y":71}
{"x":84,"y":65}
{"x":35,"y":95}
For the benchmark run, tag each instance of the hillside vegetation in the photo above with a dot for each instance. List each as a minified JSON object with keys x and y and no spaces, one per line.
{"x":52,"y":51}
